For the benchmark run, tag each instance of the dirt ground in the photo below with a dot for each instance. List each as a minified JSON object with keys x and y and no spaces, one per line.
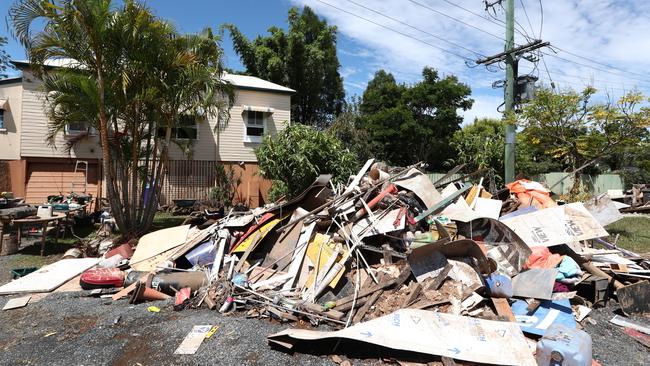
{"x":71,"y":328}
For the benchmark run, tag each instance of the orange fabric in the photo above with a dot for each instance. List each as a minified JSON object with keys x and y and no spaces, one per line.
{"x":541,"y":257}
{"x":530,"y":197}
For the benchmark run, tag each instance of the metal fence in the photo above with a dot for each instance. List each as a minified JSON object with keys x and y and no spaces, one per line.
{"x":188,"y":179}
{"x":595,"y":184}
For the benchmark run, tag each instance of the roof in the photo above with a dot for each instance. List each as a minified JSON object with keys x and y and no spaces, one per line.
{"x":255,"y":83}
{"x":11,"y":80}
{"x":239,"y":81}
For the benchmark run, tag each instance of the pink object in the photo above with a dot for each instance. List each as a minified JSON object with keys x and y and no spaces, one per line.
{"x":124,"y":250}
{"x":183,"y":295}
{"x":541,"y":257}
{"x":101,"y":278}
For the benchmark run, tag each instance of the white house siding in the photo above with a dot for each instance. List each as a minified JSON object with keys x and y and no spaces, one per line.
{"x":230,"y":141}
{"x":10,"y":137}
{"x":228,"y":145}
{"x":34,"y":128}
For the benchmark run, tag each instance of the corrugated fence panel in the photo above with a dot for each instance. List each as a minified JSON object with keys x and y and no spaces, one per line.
{"x":436,"y":176}
{"x":596,"y":184}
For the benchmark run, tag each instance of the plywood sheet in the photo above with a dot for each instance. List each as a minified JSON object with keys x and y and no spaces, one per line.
{"x":458,"y":337}
{"x":152,"y":247}
{"x":50,"y":277}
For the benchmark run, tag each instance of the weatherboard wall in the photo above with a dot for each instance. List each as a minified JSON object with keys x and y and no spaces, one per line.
{"x":34,"y":128}
{"x":10,"y":134}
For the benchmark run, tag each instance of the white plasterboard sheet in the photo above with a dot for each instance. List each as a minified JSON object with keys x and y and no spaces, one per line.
{"x":381,"y":225}
{"x":151,"y":246}
{"x":193,"y":340}
{"x":603,"y":210}
{"x":487,"y":207}
{"x":16,"y":303}
{"x":458,"y":337}
{"x":556,"y":225}
{"x":50,"y":277}
{"x":460,"y":211}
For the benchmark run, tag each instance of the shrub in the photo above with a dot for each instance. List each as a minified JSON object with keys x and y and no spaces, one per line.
{"x":298,"y":154}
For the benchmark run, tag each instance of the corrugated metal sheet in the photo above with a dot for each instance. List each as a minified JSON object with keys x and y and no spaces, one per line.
{"x":596,"y":184}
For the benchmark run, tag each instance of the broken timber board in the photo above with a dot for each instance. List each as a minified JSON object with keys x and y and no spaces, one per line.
{"x":503,"y":309}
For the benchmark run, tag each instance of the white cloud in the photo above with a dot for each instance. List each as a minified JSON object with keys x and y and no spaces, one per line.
{"x":612,"y":32}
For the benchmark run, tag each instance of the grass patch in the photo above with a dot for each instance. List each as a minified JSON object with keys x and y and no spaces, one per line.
{"x":163,"y":220}
{"x":633,"y":231}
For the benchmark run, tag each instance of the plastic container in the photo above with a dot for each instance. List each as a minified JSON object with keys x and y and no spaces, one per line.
{"x":564,"y":346}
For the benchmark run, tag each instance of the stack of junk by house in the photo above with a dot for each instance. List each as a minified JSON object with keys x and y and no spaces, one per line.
{"x":426,"y":271}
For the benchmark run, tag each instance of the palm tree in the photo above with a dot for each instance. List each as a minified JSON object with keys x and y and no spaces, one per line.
{"x":131,"y":75}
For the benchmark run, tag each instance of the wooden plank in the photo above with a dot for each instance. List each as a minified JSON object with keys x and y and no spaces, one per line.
{"x":503,"y":309}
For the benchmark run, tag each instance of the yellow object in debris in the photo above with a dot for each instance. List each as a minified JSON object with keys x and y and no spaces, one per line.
{"x":153,"y":309}
{"x":211,"y":332}
{"x":326,"y":252}
{"x":257,"y":235}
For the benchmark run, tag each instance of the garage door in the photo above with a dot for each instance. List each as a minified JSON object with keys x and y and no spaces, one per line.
{"x":45,"y":179}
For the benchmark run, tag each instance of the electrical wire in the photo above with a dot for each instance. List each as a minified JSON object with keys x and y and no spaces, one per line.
{"x":532,"y":30}
{"x":541,"y":15}
{"x":396,"y":31}
{"x":455,"y":19}
{"x":591,"y":67}
{"x":418,"y":29}
{"x":541,"y":26}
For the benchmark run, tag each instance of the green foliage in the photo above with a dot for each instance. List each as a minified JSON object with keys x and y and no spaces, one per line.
{"x":4,"y":58}
{"x":130,"y":76}
{"x":225,"y":189}
{"x":411,"y":123}
{"x":480,"y":145}
{"x":278,"y":191}
{"x":347,"y":128}
{"x":302,"y":58}
{"x":298,"y":154}
{"x":573,"y":131}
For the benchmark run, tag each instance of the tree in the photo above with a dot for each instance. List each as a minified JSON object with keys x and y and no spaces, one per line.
{"x":347,"y":128}
{"x":5,"y":60}
{"x":131,"y":76}
{"x":303,"y":58}
{"x":407,"y":124}
{"x":575,"y":132}
{"x":295,"y":157}
{"x":480,"y":145}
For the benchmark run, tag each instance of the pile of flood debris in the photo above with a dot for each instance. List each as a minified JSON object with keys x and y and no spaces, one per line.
{"x":438,"y":269}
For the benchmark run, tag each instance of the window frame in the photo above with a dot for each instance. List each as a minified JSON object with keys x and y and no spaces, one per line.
{"x":175,"y":130}
{"x":254,"y":138}
{"x":72,"y":132}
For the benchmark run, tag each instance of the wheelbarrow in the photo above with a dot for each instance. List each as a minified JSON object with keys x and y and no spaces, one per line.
{"x":183,"y":206}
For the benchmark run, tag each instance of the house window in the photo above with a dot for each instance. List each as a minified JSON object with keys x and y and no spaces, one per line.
{"x":2,"y":119}
{"x":75,"y":128}
{"x":254,"y":125}
{"x":187,"y":129}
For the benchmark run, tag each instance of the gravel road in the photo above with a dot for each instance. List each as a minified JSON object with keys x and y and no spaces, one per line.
{"x":68,"y":329}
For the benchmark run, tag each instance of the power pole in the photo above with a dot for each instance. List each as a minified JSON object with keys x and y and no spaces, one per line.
{"x":511,"y":76}
{"x":510,"y":56}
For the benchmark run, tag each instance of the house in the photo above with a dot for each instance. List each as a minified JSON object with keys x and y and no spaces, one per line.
{"x":33,"y":169}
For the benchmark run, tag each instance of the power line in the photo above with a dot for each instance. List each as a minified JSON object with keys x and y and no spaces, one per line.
{"x":598,"y":62}
{"x":541,"y":15}
{"x":541,"y":6}
{"x":591,"y":67}
{"x":527,"y":18}
{"x":396,"y":31}
{"x":418,"y":29}
{"x":591,"y":79}
{"x":456,"y":19}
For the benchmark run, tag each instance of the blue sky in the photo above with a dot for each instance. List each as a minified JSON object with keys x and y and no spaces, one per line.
{"x":590,"y":29}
